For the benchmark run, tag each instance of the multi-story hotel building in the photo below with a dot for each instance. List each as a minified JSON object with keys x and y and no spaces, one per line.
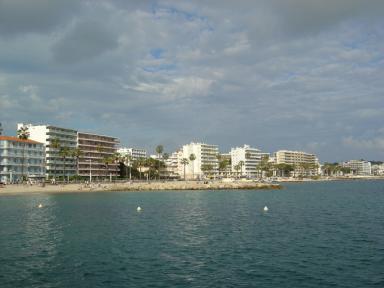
{"x":297,"y":159}
{"x":172,"y":165}
{"x":206,"y":157}
{"x":56,"y":165}
{"x":135,"y":153}
{"x":358,"y":167}
{"x":97,"y":155}
{"x":249,"y":157}
{"x":20,"y":158}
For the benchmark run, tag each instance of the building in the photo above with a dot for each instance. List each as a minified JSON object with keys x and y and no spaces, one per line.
{"x":1,"y":129}
{"x":304,"y":163}
{"x":377,"y":169}
{"x":206,"y":163}
{"x":53,"y":139}
{"x":358,"y":167}
{"x":247,"y":159}
{"x":135,"y":153}
{"x":97,"y":155}
{"x":172,"y":165}
{"x":20,"y":159}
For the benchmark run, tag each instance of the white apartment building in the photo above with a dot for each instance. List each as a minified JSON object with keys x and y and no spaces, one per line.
{"x":377,"y":169}
{"x":56,"y":166}
{"x":173,"y":165}
{"x":247,"y":158}
{"x":298,"y":159}
{"x":135,"y":153}
{"x":206,"y":158}
{"x":97,"y":152}
{"x":358,"y":167}
{"x":20,"y":159}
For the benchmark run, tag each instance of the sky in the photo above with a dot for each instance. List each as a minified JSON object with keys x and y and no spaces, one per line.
{"x":274,"y":74}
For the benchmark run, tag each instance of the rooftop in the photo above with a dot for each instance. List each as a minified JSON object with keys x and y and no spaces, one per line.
{"x":17,"y":139}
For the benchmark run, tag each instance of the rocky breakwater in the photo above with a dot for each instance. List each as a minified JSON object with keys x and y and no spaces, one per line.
{"x":192,"y":185}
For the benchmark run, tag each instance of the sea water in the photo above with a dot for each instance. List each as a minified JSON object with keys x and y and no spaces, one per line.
{"x":322,"y":234}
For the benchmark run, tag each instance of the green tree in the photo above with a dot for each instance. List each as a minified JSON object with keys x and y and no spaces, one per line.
{"x":241,"y":164}
{"x":264,"y":166}
{"x":55,"y":145}
{"x":207,"y":169}
{"x":237,"y":168}
{"x":159,"y":151}
{"x":184,"y":162}
{"x":76,"y":154}
{"x":23,"y":134}
{"x":64,"y":153}
{"x":192,"y":158}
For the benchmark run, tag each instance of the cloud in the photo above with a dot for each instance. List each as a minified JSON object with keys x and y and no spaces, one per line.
{"x":38,"y":16}
{"x":295,"y":74}
{"x":86,"y":40}
{"x":370,"y":144}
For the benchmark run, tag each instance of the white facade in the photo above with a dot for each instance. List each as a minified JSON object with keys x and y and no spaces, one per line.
{"x":135,"y":153}
{"x":378,"y":169}
{"x":55,"y":164}
{"x":206,"y":157}
{"x":21,"y":158}
{"x":249,"y":157}
{"x":173,"y":165}
{"x":359,"y":167}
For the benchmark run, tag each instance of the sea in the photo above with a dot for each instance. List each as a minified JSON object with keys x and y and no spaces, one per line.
{"x":314,"y":234}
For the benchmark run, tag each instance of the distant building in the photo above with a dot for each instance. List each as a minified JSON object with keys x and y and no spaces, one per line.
{"x":249,"y":157}
{"x":172,"y":165}
{"x":47,"y":134}
{"x":303,"y":163}
{"x":358,"y":167}
{"x":135,"y":153}
{"x":20,"y":158}
{"x":206,"y":162}
{"x":378,"y":169}
{"x":97,"y":153}
{"x":1,"y":129}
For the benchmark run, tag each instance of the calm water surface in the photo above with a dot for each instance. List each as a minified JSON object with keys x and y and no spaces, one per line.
{"x":314,"y":235}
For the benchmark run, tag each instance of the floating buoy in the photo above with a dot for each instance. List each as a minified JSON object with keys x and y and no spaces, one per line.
{"x":138,"y":209}
{"x":265,"y":209}
{"x":40,"y":205}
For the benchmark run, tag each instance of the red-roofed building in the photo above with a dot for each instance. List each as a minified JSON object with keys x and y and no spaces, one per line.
{"x":21,"y":158}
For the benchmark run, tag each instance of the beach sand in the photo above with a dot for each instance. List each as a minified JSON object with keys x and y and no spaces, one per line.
{"x":136,"y":186}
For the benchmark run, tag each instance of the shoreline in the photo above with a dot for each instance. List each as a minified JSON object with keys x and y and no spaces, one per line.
{"x":23,"y":189}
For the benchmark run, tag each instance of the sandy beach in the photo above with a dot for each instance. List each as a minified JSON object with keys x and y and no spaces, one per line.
{"x":135,"y":186}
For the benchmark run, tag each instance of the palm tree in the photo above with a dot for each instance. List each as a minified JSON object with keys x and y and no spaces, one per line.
{"x":64,"y":153}
{"x":76,"y":153}
{"x":159,"y":151}
{"x":192,"y":158}
{"x":165,"y":158}
{"x":23,"y":134}
{"x":55,"y":144}
{"x":184,"y":162}
{"x":241,"y":164}
{"x":107,"y":160}
{"x":237,"y":168}
{"x":207,"y":168}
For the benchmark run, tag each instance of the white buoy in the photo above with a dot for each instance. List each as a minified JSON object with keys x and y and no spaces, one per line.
{"x":40,"y":205}
{"x":138,"y":209}
{"x":265,"y":209}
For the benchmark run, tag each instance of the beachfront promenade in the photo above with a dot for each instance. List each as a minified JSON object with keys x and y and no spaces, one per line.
{"x":138,"y":186}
